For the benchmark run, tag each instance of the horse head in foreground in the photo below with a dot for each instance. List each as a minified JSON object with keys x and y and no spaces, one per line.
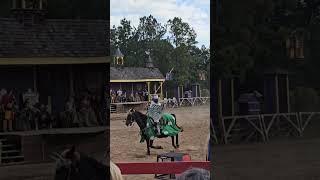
{"x":147,"y":128}
{"x":73,"y":165}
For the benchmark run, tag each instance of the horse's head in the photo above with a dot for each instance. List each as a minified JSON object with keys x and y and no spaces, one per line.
{"x":130,"y":117}
{"x":67,"y":164}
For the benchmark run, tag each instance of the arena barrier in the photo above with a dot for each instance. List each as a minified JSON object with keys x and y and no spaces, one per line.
{"x":176,"y":167}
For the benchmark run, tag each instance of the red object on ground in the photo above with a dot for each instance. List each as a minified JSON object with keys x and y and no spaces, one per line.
{"x":161,"y":167}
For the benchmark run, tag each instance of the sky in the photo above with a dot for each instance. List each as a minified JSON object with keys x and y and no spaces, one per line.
{"x":195,"y":12}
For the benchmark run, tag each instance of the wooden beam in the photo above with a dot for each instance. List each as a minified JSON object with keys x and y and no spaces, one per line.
{"x":40,"y":5}
{"x":149,"y":95}
{"x":232,"y":97}
{"x":288,"y":93}
{"x":161,"y":167}
{"x":23,"y":4}
{"x":14,"y":4}
{"x":136,"y":80}
{"x":71,"y":81}
{"x":35,"y":89}
{"x":131,"y":88}
{"x":161,"y":90}
{"x":277,"y":93}
{"x":220,"y":98}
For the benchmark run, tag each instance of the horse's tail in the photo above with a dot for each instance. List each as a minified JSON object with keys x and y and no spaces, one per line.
{"x":180,"y":127}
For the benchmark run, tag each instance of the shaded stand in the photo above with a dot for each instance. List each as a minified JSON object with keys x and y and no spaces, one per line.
{"x":276,"y":115}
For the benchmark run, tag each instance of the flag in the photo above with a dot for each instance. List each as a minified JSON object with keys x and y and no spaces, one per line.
{"x":169,"y":75}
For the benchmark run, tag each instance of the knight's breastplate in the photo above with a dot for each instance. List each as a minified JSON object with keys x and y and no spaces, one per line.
{"x":155,"y":112}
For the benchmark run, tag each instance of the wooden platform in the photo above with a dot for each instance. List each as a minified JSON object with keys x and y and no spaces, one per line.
{"x":125,"y":106}
{"x":36,"y":146}
{"x":57,"y":131}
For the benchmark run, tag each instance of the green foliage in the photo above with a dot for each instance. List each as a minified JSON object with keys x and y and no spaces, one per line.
{"x":181,"y":32}
{"x":174,"y":48}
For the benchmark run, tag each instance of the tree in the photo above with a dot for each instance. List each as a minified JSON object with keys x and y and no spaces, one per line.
{"x":149,"y":29}
{"x":181,"y":32}
{"x":182,"y":54}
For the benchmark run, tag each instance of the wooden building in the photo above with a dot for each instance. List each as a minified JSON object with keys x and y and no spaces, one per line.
{"x":132,"y":80}
{"x":55,"y":59}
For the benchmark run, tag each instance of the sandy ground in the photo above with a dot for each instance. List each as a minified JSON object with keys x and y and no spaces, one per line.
{"x":296,"y":159}
{"x":125,"y":145}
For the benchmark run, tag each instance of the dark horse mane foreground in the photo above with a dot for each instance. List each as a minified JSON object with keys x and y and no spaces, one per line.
{"x":73,"y":165}
{"x":141,"y":120}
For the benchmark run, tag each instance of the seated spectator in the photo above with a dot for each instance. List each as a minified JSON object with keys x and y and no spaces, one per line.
{"x":195,"y":174}
{"x":115,"y":172}
{"x":137,"y":97}
{"x":132,"y":98}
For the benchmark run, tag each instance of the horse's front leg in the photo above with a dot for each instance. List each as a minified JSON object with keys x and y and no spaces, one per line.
{"x":172,"y":142}
{"x":177,"y":141}
{"x":148,"y":146}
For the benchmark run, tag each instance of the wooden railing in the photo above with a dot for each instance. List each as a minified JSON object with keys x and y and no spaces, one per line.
{"x":161,"y":167}
{"x":264,"y":123}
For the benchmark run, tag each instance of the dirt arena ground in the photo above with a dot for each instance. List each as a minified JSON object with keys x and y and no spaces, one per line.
{"x":125,"y":145}
{"x":297,"y":159}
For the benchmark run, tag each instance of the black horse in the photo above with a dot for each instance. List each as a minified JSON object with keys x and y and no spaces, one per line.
{"x":72,"y":165}
{"x":141,"y":120}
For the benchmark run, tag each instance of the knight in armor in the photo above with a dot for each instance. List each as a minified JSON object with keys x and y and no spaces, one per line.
{"x":155,"y":112}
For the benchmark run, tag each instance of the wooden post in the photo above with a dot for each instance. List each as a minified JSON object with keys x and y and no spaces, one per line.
{"x":161,"y":90}
{"x":49,"y":104}
{"x":220,"y":114}
{"x":220,"y":98}
{"x":178,"y":92}
{"x":71,"y":80}
{"x":0,"y":152}
{"x":199,"y":91}
{"x":277,"y":93}
{"x":288,"y":94}
{"x":35,"y":79}
{"x":14,"y":4}
{"x":149,"y":95}
{"x":40,"y":5}
{"x":131,"y":88}
{"x":23,"y":4}
{"x":232,"y":97}
{"x":182,"y":90}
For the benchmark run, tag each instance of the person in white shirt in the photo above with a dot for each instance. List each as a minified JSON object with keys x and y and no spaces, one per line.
{"x":155,"y":112}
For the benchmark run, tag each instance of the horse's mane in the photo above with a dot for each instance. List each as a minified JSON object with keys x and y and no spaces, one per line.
{"x":140,"y":113}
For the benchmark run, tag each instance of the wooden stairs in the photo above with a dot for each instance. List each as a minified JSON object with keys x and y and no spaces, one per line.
{"x":113,"y":108}
{"x":10,"y":150}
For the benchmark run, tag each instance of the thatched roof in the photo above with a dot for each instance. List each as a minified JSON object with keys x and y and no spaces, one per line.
{"x":54,"y":38}
{"x":135,"y":74}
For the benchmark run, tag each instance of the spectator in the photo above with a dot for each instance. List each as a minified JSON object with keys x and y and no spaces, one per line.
{"x":137,"y":97}
{"x":115,"y":172}
{"x":119,"y":93}
{"x":195,"y":174}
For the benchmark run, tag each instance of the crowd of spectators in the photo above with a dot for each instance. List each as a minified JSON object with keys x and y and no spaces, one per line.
{"x":122,"y":96}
